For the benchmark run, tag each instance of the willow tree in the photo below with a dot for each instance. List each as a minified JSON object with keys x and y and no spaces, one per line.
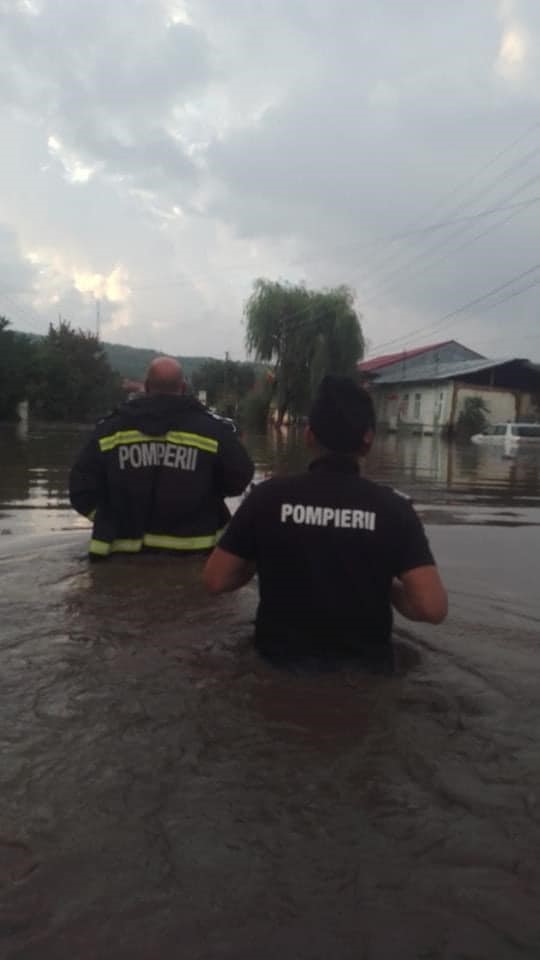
{"x":305,"y":334}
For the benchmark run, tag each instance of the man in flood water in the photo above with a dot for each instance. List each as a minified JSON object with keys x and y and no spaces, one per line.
{"x":333,"y":551}
{"x":155,"y":473}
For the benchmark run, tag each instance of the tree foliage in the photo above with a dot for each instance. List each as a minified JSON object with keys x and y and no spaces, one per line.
{"x":226,"y":382}
{"x":305,"y":334}
{"x":73,"y":379}
{"x":16,"y":362}
{"x":64,"y":376}
{"x":473,"y":417}
{"x":254,"y":406}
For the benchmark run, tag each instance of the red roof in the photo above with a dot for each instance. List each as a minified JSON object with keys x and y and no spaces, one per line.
{"x":366,"y":366}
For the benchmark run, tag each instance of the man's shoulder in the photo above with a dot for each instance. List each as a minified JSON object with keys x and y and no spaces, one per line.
{"x":109,"y":423}
{"x":385,"y":492}
{"x":388,"y":498}
{"x":279,"y":485}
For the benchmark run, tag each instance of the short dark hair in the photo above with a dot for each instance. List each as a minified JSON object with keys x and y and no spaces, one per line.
{"x":341,"y":415}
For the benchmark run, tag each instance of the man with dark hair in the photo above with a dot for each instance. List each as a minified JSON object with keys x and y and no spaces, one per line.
{"x":155,"y":473}
{"x":333,"y":551}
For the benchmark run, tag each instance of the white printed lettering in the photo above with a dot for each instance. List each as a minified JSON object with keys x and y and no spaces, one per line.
{"x":328,"y":514}
{"x":286,"y":511}
{"x":299,"y":513}
{"x":135,"y":455}
{"x":358,"y":520}
{"x":346,"y":519}
{"x":152,"y":454}
{"x":340,"y":519}
{"x":170,"y":453}
{"x":149,"y":457}
{"x":314,"y":515}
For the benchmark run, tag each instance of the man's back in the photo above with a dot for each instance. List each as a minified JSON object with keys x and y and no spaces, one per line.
{"x":327,"y":545}
{"x":156,"y":472}
{"x":334,"y":552}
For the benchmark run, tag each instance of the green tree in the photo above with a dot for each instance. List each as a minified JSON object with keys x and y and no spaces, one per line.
{"x":73,"y":379}
{"x":473,"y":417}
{"x":226,"y":382}
{"x":254,"y":406}
{"x":17,"y":355}
{"x":305,"y":334}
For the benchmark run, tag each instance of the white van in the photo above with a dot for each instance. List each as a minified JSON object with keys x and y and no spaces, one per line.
{"x":509,"y":433}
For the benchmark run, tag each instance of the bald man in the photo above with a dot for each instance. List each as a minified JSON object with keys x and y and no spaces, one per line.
{"x":155,"y":473}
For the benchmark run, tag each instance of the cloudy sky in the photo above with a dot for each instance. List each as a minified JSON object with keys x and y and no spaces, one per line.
{"x":158,"y":155}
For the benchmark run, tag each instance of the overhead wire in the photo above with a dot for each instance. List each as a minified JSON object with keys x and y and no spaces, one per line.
{"x":459,"y":310}
{"x":417,"y":264}
{"x":522,"y":161}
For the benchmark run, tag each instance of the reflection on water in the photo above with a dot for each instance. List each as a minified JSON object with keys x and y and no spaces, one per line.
{"x":35,"y":467}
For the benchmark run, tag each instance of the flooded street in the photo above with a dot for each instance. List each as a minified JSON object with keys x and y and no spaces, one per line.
{"x":165,"y":793}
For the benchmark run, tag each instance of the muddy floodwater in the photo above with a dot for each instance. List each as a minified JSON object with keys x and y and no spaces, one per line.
{"x":165,"y":794}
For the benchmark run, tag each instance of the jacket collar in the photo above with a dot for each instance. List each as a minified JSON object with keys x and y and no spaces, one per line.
{"x":336,"y":463}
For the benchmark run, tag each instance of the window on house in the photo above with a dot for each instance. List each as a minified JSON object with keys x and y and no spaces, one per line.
{"x":405,"y":405}
{"x":417,"y":405}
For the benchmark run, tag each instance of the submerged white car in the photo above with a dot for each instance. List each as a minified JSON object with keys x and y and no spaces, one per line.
{"x":509,"y":433}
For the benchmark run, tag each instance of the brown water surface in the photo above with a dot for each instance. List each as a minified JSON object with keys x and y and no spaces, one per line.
{"x":164,"y":793}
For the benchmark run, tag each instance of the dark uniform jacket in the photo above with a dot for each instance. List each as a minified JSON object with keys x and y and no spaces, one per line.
{"x":326,"y":545}
{"x":155,"y":474}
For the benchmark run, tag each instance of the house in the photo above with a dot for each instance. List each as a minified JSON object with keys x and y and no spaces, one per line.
{"x":424,"y":390}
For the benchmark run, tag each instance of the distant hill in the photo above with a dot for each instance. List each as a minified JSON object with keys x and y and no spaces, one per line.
{"x":131,"y":362}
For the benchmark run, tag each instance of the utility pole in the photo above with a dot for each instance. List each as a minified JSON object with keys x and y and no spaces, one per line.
{"x":226,"y":382}
{"x":98,"y":318}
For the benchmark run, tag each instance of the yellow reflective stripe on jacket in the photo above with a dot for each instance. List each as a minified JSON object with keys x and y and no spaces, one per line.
{"x":102,"y":548}
{"x":172,"y":436}
{"x":181,"y":543}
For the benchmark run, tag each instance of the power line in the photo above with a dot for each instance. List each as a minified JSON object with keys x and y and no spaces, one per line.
{"x":418,"y":258}
{"x":432,"y":227}
{"x":415,"y":229}
{"x":462,"y":309}
{"x":475,"y":196}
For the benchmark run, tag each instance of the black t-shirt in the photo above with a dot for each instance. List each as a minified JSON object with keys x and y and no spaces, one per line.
{"x":326,"y":544}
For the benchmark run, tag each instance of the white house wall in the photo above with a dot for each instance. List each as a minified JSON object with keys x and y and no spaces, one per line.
{"x":501,"y":403}
{"x":416,"y":407}
{"x":437,"y":409}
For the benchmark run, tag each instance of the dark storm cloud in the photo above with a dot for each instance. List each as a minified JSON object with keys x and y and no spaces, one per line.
{"x":194,"y":148}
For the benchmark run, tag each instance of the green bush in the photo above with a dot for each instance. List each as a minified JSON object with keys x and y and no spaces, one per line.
{"x":473,"y":417}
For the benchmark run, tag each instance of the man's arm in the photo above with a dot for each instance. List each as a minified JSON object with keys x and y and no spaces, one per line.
{"x":234,"y":467}
{"x":87,"y":479}
{"x":417,"y":589}
{"x":419,"y":595}
{"x":225,"y":571}
{"x":233,"y":562}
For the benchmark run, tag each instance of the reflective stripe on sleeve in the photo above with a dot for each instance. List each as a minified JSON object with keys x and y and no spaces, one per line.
{"x":172,"y":436}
